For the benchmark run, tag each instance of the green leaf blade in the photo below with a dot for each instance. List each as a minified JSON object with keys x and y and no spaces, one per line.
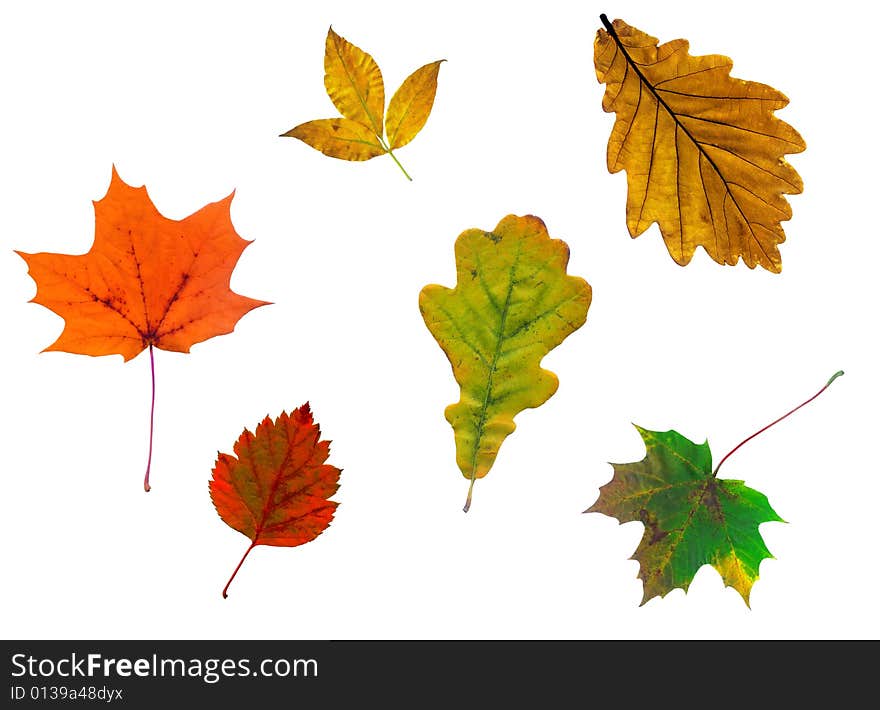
{"x":513,"y":303}
{"x":691,"y":518}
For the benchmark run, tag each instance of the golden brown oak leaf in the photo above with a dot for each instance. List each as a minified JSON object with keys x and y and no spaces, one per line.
{"x":354,"y":83}
{"x":702,"y":150}
{"x":146,"y":281}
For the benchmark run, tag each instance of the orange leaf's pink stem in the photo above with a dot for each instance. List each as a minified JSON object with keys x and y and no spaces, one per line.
{"x":833,"y":377}
{"x":238,"y":567}
{"x":152,"y":410}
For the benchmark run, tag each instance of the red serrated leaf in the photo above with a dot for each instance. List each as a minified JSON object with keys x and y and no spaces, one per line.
{"x":275,"y":489}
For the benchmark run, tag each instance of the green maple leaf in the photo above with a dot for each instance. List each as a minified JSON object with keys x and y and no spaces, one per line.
{"x":691,"y":517}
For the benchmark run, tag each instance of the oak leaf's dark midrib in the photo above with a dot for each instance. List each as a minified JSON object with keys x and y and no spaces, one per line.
{"x":631,"y":62}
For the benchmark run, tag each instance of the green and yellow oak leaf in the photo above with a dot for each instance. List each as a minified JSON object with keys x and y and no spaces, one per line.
{"x":513,"y":303}
{"x":354,"y":84}
{"x":691,"y":517}
{"x":702,"y":150}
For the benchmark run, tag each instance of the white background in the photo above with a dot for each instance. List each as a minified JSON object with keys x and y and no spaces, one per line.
{"x":189,"y":99}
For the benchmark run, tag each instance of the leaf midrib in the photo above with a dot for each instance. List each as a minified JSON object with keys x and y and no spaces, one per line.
{"x":376,"y":129}
{"x":253,"y":464}
{"x":704,"y":487}
{"x":722,"y":522}
{"x":673,"y":546}
{"x":494,"y":365}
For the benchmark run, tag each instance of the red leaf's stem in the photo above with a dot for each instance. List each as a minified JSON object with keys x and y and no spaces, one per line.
{"x":152,"y":411}
{"x":235,"y":571}
{"x":833,"y":377}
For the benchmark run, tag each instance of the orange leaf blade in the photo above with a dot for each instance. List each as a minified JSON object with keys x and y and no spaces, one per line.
{"x":276,"y":488}
{"x":146,"y":280}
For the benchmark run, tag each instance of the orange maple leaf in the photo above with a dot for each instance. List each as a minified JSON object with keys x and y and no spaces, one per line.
{"x":146,"y":281}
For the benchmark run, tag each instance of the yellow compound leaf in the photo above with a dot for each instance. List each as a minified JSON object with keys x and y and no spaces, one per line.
{"x":411,"y":105}
{"x":702,"y":150}
{"x":339,"y":138}
{"x":513,"y":303}
{"x":354,"y":82}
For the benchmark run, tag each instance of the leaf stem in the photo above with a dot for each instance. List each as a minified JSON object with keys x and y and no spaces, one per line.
{"x":775,"y":421}
{"x":238,"y":567}
{"x":152,"y":412}
{"x":393,"y":157}
{"x":467,"y":503}
{"x":608,"y":25}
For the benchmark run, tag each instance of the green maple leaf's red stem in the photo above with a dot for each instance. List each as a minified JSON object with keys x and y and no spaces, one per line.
{"x":238,"y":567}
{"x":152,"y":411}
{"x":776,"y":421}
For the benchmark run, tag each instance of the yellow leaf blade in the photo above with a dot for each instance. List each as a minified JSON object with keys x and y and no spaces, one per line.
{"x":411,"y":105}
{"x":702,"y":150}
{"x":513,"y":303}
{"x":338,"y":138}
{"x":354,"y":82}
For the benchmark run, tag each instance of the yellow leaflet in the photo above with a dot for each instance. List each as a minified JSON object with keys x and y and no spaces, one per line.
{"x":354,"y":82}
{"x":411,"y":104}
{"x":339,"y":138}
{"x":513,"y":303}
